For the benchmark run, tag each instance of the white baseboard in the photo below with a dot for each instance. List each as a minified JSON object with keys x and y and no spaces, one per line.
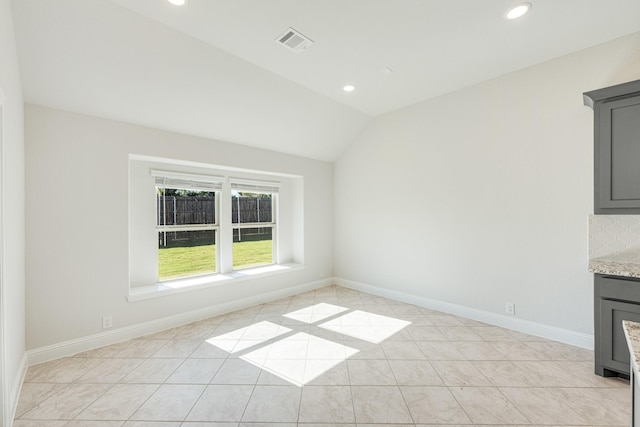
{"x":71,"y":347}
{"x":16,"y":387}
{"x":538,"y":329}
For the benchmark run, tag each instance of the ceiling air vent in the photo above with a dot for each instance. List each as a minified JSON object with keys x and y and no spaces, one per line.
{"x":292,"y":39}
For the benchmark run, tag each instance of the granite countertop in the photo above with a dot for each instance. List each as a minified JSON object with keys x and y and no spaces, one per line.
{"x":632,"y":334}
{"x":614,"y":267}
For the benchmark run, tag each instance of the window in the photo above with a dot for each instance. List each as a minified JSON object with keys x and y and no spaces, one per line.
{"x":189,"y":228}
{"x":196,"y":225}
{"x":253,"y":219}
{"x":187,"y":224}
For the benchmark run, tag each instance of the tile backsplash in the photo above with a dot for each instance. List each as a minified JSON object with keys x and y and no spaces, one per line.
{"x":615,"y":236}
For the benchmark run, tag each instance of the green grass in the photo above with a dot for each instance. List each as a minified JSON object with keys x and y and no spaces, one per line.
{"x":174,"y":262}
{"x":251,"y":253}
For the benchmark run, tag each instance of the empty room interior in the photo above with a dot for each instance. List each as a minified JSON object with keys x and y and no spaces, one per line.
{"x":319,"y":213}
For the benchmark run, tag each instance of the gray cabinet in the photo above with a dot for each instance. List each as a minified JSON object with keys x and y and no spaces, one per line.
{"x":615,"y":299}
{"x":617,"y":148}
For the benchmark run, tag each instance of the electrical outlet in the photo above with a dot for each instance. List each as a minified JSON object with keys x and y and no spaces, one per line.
{"x":510,"y":308}
{"x":107,"y":322}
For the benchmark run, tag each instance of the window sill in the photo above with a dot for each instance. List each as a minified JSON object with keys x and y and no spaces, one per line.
{"x":177,"y":286}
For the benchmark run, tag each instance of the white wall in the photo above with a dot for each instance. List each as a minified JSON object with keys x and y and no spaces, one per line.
{"x":77,"y":221}
{"x":481,"y":197}
{"x":13,"y":176}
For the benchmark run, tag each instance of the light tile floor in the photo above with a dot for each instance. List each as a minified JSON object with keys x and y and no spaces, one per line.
{"x":332,"y":356}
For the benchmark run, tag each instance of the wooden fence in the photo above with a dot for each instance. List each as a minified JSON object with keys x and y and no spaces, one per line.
{"x":192,"y":210}
{"x":187,"y":210}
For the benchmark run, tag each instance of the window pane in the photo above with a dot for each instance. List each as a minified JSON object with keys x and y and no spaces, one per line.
{"x":252,"y":247}
{"x":185,"y":207}
{"x":251,"y":208}
{"x":183,"y":253}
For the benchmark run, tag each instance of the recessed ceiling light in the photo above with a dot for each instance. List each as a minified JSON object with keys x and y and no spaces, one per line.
{"x":517,"y":11}
{"x":178,"y":2}
{"x":349,"y":88}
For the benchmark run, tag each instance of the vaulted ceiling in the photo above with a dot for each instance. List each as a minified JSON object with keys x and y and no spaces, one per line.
{"x":212,"y":68}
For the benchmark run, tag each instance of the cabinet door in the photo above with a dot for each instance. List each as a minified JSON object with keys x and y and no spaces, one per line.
{"x":617,"y":171}
{"x":614,"y":350}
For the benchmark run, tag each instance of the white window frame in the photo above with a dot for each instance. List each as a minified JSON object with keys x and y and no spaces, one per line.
{"x":223,"y":188}
{"x":257,"y":187}
{"x":185,"y":181}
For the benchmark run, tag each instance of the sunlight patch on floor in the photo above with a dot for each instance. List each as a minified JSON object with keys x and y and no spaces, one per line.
{"x":244,"y":338}
{"x":370,"y":327}
{"x":316,"y":313}
{"x":299,"y":358}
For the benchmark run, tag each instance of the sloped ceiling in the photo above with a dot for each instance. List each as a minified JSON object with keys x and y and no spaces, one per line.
{"x":212,"y":68}
{"x":95,"y":57}
{"x":432,"y":46}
